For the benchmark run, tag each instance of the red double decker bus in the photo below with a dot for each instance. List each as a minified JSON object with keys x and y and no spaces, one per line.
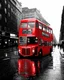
{"x":35,"y":38}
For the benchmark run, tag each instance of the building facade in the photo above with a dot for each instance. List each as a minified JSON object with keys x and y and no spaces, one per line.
{"x":62,"y":26}
{"x":10,"y":16}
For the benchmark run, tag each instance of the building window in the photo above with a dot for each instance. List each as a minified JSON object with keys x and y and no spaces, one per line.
{"x":8,"y":5}
{"x":0,"y":27}
{"x":8,"y":14}
{"x":0,"y":6}
{"x":5,"y":2}
{"x":5,"y":10}
{"x":0,"y":16}
{"x":11,"y":10}
{"x":5,"y":19}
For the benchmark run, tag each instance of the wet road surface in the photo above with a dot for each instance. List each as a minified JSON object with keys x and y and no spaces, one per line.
{"x":52,"y":68}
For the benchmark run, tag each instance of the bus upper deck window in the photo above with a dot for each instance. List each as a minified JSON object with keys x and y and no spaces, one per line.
{"x":31,"y":24}
{"x":40,"y":27}
{"x":23,"y":25}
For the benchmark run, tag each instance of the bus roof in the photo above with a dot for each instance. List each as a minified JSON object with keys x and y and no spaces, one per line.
{"x":28,"y":19}
{"x":34,"y":19}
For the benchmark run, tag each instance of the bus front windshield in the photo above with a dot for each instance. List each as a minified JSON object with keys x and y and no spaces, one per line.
{"x":27,"y":25}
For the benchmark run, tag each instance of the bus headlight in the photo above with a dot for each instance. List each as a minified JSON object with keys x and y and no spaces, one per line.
{"x":33,"y":50}
{"x":36,"y":39}
{"x":19,"y":50}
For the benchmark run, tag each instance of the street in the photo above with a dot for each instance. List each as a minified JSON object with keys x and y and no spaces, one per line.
{"x":52,"y":68}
